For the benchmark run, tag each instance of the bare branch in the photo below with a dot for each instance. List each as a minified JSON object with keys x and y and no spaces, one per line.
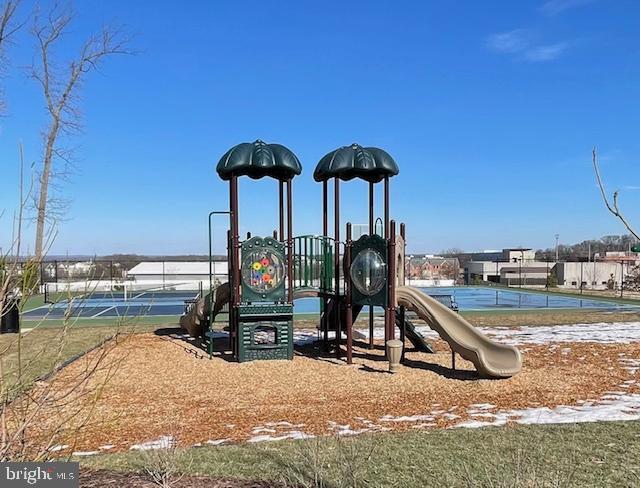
{"x":60,"y":87}
{"x":8,"y":28}
{"x":613,"y":208}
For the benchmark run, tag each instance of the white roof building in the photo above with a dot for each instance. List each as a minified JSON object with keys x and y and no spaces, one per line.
{"x":176,"y":271}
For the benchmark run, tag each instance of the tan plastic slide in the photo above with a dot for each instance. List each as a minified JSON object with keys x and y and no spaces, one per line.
{"x":194,"y":321}
{"x":489,"y":357}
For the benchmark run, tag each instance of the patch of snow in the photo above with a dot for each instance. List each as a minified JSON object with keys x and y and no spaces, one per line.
{"x":165,"y":442}
{"x":483,"y":406}
{"x":603,"y":333}
{"x":58,"y":448}
{"x":106,"y":447}
{"x":613,"y":406}
{"x":85,"y":453}
{"x":217,"y":442}
{"x":294,"y":434}
{"x":475,"y":424}
{"x":282,"y":424}
{"x":406,"y":418}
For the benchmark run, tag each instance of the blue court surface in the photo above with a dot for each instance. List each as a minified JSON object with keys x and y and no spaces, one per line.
{"x":171,"y":303}
{"x":478,"y":298}
{"x":114,"y":304}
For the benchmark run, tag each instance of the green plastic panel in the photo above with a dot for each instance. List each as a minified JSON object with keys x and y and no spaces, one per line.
{"x":264,"y":309}
{"x":263,"y":269}
{"x":264,"y":340}
{"x":313,"y":263}
{"x":379,"y":245}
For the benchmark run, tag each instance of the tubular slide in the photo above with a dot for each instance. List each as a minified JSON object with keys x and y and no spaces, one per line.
{"x":195,"y":320}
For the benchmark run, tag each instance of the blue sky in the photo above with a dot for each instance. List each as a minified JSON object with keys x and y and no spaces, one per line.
{"x":489,"y":108}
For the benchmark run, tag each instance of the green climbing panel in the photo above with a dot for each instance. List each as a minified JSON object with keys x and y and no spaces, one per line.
{"x":265,"y":332}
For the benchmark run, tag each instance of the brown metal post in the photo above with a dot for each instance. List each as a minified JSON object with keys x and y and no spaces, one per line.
{"x":324,"y":325}
{"x":386,"y":207}
{"x":371,"y":232}
{"x":230,"y":277}
{"x":388,"y":320}
{"x":403,"y":234}
{"x":403,"y":329}
{"x":290,"y":239}
{"x":281,"y":192}
{"x":235,"y":263}
{"x":392,"y":281}
{"x":336,"y":224}
{"x":236,"y":240}
{"x":347,"y":289}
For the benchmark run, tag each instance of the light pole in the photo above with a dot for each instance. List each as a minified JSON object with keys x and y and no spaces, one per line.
{"x":557,"y":241}
{"x":409,"y":267}
{"x":547,"y":284}
{"x":520,"y":272}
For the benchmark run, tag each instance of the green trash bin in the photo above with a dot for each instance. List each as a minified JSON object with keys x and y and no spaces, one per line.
{"x":10,"y":321}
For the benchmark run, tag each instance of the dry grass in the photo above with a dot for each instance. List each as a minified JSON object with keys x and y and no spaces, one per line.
{"x":165,"y":385}
{"x":547,"y":317}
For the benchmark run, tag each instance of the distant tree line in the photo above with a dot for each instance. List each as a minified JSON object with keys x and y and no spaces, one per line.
{"x":580,"y":251}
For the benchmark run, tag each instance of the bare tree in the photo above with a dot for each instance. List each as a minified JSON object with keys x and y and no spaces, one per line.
{"x":60,"y":87}
{"x":612,"y":206}
{"x":8,"y":27}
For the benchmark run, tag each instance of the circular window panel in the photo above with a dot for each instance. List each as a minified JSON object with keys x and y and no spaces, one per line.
{"x":262,"y":271}
{"x":369,"y":272}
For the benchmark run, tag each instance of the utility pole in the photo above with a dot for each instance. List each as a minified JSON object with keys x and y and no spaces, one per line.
{"x":557,"y":241}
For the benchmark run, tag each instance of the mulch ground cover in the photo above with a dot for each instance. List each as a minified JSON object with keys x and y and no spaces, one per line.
{"x":165,"y":386}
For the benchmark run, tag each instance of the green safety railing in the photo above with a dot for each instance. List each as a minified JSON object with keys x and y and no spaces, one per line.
{"x":313,"y":263}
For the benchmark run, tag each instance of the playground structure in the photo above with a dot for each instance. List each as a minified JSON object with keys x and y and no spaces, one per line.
{"x":266,"y":274}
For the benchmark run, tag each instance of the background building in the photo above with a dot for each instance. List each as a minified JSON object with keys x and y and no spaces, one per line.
{"x":177,"y":273}
{"x":518,"y":267}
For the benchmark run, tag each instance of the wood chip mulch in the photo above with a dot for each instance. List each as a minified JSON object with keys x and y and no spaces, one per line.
{"x":166,"y":386}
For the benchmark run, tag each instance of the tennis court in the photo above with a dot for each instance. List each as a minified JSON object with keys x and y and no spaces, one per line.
{"x":116,"y":304}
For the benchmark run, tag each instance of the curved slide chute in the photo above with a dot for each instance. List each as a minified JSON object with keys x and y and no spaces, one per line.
{"x":194,"y":321}
{"x":490,"y":358}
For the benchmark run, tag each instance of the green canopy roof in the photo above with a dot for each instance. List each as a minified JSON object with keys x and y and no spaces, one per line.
{"x":354,"y":161}
{"x":257,"y":160}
